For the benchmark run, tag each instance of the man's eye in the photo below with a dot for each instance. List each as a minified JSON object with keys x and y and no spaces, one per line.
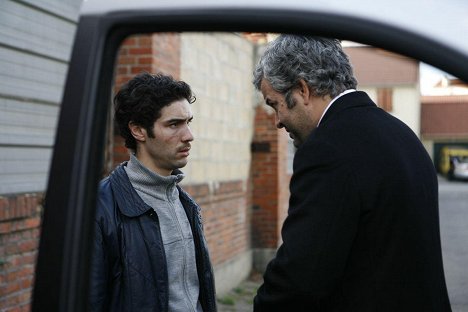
{"x":272,"y":105}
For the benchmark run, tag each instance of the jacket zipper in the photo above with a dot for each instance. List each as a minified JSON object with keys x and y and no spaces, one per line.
{"x":184,"y":278}
{"x":201,"y":259}
{"x":154,"y":216}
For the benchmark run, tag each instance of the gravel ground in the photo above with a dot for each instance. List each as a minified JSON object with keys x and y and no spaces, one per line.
{"x":240,"y":298}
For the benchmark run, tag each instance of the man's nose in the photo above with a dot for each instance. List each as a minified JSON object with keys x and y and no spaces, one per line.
{"x":188,"y":135}
{"x":279,"y":125}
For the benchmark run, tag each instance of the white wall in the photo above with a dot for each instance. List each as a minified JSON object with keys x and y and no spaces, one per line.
{"x":218,"y":66}
{"x":407,"y":107}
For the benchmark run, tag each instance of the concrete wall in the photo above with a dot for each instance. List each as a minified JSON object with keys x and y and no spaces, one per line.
{"x":219,"y":68}
{"x":407,"y":107}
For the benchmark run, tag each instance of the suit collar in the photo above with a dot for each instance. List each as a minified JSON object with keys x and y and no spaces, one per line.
{"x":349,"y":100}
{"x":333,"y":101}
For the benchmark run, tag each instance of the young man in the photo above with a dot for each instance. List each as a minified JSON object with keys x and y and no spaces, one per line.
{"x":150,"y":253}
{"x":362,"y":231}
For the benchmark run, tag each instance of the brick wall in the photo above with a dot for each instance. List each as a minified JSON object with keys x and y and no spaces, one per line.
{"x":270,"y":180}
{"x":20,"y":218}
{"x":134,"y":56}
{"x":148,"y":53}
{"x":444,"y":117}
{"x":226,"y":217}
{"x":265,"y":180}
{"x":166,"y":53}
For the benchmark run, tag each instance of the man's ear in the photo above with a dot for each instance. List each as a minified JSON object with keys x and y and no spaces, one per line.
{"x":138,"y":132}
{"x":304,"y":91}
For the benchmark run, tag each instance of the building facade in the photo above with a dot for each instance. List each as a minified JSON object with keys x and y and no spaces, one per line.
{"x":444,"y":123}
{"x":391,"y":80}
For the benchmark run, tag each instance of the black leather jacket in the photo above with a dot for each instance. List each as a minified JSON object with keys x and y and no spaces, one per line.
{"x":128,"y":270}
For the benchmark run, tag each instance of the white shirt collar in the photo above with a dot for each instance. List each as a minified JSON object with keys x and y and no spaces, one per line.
{"x":332,"y":101}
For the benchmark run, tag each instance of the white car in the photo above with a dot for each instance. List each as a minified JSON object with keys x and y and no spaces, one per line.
{"x":460,"y":168}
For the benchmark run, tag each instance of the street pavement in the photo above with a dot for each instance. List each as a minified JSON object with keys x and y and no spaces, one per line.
{"x":453,"y":210}
{"x":453,"y":214}
{"x":240,"y":299}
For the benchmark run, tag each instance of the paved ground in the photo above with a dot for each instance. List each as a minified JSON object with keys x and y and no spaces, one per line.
{"x":453,"y":210}
{"x":240,"y":299}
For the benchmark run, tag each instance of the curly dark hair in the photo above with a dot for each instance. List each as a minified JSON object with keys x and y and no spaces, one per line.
{"x":141,"y":99}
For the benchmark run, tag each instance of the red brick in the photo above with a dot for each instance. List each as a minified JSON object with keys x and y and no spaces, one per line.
{"x":144,"y":60}
{"x":12,"y":208}
{"x":27,"y":258}
{"x":3,"y":206}
{"x":32,"y":223}
{"x":126,"y":60}
{"x":27,"y":245}
{"x":5,"y":227}
{"x":10,"y":288}
{"x":20,"y":204}
{"x":130,"y":41}
{"x":140,"y":51}
{"x":26,"y":307}
{"x":139,"y":69}
{"x":26,"y":283}
{"x":144,"y":40}
{"x":122,"y":70}
{"x":123,"y":51}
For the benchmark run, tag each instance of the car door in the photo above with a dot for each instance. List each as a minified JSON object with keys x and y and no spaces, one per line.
{"x":64,"y":252}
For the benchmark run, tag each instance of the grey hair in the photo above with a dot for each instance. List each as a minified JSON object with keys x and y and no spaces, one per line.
{"x":320,"y":62}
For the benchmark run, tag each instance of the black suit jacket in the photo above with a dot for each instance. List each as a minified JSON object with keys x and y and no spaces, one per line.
{"x":362,"y":232}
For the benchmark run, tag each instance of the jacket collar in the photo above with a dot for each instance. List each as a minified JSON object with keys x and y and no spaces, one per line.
{"x":350,"y":100}
{"x":128,"y":201}
{"x":131,"y":204}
